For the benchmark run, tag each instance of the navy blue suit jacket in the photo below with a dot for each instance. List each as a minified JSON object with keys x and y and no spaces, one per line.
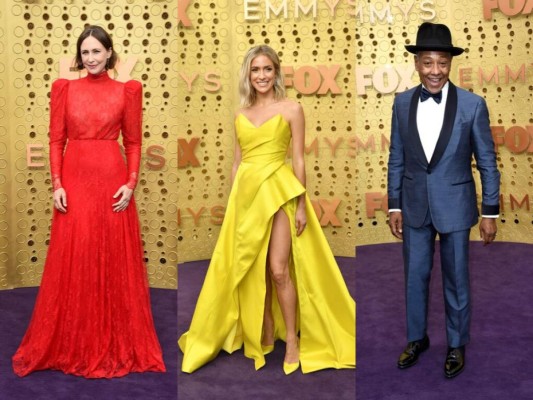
{"x":445,"y":185}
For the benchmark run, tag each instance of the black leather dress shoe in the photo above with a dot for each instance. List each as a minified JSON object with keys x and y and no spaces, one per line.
{"x":455,"y":361}
{"x":409,"y":357}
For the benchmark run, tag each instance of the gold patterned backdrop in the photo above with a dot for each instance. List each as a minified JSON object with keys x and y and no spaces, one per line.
{"x":4,"y":165}
{"x":315,"y":42}
{"x":38,"y":43}
{"x":496,"y":65}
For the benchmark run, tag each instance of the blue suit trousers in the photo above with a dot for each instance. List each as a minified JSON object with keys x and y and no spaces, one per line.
{"x":418,"y":250}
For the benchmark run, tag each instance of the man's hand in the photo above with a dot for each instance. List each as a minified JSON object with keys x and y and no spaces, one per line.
{"x":487,"y":230}
{"x":395,"y":224}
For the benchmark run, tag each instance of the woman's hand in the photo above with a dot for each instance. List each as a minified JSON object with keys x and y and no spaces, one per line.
{"x":300,"y":220}
{"x":125,"y":194}
{"x":60,"y":200}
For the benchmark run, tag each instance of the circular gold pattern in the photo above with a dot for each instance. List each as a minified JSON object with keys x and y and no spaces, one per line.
{"x":6,"y":256}
{"x":40,"y":34}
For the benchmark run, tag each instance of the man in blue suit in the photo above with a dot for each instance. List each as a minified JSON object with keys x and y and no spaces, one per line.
{"x":436,"y":128}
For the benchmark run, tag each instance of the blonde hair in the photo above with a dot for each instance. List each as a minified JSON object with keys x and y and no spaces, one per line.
{"x":246,"y":90}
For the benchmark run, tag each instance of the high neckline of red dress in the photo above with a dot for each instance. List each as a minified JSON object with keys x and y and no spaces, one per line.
{"x":102,"y":76}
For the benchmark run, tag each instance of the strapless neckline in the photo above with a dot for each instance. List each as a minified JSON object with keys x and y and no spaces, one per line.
{"x":264,"y":122}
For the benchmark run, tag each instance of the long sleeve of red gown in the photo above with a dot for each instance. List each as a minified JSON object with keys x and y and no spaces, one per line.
{"x":58,"y":129}
{"x":132,"y":129}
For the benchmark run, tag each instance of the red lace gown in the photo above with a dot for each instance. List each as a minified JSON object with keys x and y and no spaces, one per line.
{"x":92,"y":316}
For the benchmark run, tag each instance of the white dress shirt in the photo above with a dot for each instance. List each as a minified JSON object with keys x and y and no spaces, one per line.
{"x":429,"y":119}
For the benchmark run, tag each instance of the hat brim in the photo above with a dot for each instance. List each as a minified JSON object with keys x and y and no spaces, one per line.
{"x":454,"y":51}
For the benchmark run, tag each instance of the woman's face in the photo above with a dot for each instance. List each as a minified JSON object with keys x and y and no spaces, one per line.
{"x":93,"y":55}
{"x":262,"y":74}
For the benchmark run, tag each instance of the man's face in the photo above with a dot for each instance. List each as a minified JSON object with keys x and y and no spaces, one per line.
{"x":433,"y":67}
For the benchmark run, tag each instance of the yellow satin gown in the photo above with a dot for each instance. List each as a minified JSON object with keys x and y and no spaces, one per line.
{"x":229,"y":312}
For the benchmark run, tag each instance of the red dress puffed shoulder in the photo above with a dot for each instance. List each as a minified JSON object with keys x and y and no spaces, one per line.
{"x":92,"y":316}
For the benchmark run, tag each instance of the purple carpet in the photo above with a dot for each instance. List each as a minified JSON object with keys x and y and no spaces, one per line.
{"x":233,"y":377}
{"x":499,"y":357}
{"x":15,"y":310}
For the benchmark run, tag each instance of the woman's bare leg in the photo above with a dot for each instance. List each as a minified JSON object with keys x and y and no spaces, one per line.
{"x":268,"y":320}
{"x":278,"y":259}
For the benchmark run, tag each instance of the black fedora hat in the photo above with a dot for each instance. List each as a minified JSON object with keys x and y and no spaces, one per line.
{"x":434,"y":37}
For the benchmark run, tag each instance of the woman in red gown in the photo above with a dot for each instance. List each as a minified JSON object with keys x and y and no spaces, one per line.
{"x":92,"y":316}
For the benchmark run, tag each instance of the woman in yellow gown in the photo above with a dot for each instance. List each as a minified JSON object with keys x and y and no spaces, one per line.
{"x":272,"y":274}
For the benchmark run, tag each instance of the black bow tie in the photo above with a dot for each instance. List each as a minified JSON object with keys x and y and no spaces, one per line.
{"x":425,"y":94}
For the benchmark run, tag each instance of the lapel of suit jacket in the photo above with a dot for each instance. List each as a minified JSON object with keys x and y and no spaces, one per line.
{"x":447,"y":126}
{"x":413,"y":135}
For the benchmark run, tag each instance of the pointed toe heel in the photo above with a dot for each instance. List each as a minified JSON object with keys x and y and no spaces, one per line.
{"x":290,"y":368}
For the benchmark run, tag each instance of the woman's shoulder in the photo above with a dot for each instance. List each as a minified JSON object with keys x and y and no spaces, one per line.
{"x":288,"y":103}
{"x":133,"y":86}
{"x":290,"y":106}
{"x":290,"y":109}
{"x":59,"y":89}
{"x":60,"y":84}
